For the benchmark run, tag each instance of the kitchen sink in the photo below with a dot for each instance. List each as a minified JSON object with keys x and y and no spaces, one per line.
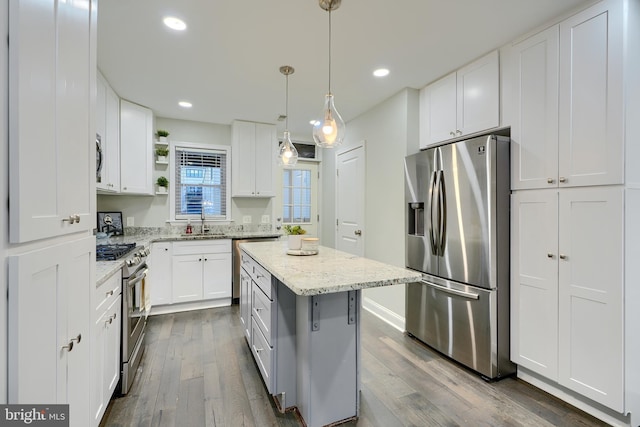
{"x":196,"y":235}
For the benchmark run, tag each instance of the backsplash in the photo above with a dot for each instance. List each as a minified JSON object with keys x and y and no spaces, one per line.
{"x":213,"y":229}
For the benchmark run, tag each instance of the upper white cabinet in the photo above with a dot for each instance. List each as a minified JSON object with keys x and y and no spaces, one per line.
{"x":464,"y":102}
{"x":566,"y":100}
{"x":533,"y":65}
{"x":49,"y":316}
{"x":51,"y":132}
{"x":108,"y":128}
{"x":253,"y":157}
{"x":591,"y":99}
{"x":567,"y":288}
{"x":136,"y":149}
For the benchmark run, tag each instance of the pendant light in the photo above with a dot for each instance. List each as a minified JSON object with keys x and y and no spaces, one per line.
{"x":288,"y":155}
{"x":329,"y":129}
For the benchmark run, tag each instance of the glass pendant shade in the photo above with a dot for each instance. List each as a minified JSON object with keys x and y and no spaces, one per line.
{"x":329,"y":131}
{"x":288,"y":155}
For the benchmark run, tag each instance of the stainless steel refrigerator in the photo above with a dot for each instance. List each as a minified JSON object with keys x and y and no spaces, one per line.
{"x":457,"y":234}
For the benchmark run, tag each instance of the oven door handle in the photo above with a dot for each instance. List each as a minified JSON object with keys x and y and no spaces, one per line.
{"x":137,"y":278}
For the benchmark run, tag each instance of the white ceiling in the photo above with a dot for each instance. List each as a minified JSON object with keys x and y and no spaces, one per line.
{"x":226,"y":62}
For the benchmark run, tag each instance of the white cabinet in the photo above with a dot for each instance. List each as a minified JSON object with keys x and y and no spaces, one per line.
{"x":533,"y":77}
{"x":464,"y":102}
{"x":107,"y":321}
{"x":254,"y":149}
{"x":201,"y":270}
{"x":51,"y":131}
{"x":108,"y":128}
{"x":136,"y":149}
{"x":245,"y":302}
{"x":49,"y":316}
{"x":567,"y":288}
{"x":160,"y":273}
{"x":567,"y":102}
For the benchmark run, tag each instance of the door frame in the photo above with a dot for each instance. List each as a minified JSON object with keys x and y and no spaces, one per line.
{"x":361,"y":144}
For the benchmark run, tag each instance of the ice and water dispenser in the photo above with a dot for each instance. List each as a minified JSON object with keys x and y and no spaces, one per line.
{"x":416,"y":219}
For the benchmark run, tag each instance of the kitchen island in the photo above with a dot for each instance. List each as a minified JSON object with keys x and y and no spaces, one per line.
{"x":302,"y":322}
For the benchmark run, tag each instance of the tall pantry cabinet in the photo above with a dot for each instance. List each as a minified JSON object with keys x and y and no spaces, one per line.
{"x":51,"y":255}
{"x":565,"y":105}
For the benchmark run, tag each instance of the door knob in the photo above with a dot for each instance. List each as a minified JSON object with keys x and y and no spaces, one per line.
{"x":358,"y":232}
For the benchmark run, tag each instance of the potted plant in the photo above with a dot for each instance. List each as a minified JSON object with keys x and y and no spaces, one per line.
{"x":163,"y":184}
{"x":162,"y":153}
{"x":294,"y":233}
{"x":162,"y":135}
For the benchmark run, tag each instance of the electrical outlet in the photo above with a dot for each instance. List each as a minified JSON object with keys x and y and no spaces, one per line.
{"x":246,"y":219}
{"x":130,"y":221}
{"x":266,"y":219}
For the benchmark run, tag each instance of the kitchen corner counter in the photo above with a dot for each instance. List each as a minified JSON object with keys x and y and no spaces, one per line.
{"x":327,"y":272}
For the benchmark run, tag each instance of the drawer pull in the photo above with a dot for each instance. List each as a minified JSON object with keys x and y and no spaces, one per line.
{"x":258,"y":350}
{"x":110,"y":293}
{"x":258,"y":276}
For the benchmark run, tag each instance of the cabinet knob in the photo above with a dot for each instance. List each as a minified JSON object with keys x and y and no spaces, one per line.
{"x":77,"y":339}
{"x":550,"y":255}
{"x":69,"y":346}
{"x":166,"y":249}
{"x":563,"y":256}
{"x":550,"y":180}
{"x":110,"y":293}
{"x":562,"y":179}
{"x":452,"y":133}
{"x":72,"y":219}
{"x":458,"y":132}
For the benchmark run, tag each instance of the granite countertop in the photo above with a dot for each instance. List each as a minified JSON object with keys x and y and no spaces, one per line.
{"x":105,"y":269}
{"x":327,"y":272}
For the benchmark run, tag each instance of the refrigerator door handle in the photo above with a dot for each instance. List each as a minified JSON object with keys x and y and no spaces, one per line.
{"x":432,"y":237}
{"x":469,"y":295}
{"x":442,"y":213}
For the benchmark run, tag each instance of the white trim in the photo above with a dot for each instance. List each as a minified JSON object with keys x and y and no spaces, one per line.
{"x":172,"y":178}
{"x":189,"y":306}
{"x":590,"y":407}
{"x":384,"y":314}
{"x":339,"y":151}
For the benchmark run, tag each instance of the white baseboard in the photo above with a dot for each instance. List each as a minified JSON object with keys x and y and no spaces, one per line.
{"x":590,"y":407}
{"x":384,"y":314}
{"x":189,"y":306}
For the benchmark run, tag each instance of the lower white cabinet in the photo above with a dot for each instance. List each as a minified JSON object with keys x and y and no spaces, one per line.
{"x":107,"y":330}
{"x":49,"y":316}
{"x":567,"y":288}
{"x":160,"y":261}
{"x":201,"y":270}
{"x":245,"y":302}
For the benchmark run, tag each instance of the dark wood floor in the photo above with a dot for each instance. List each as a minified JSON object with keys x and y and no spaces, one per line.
{"x":198,"y":371}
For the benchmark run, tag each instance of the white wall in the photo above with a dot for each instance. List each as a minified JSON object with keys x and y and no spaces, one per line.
{"x":4,"y":195}
{"x":153,"y":211}
{"x":391,"y":132}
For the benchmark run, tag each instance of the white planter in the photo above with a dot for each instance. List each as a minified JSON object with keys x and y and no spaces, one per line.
{"x":162,"y":158}
{"x":162,"y":190}
{"x":162,"y":139}
{"x":295,"y":241}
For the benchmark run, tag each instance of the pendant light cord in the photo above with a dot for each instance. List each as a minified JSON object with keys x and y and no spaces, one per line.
{"x":329,"y":51}
{"x":286,"y":105}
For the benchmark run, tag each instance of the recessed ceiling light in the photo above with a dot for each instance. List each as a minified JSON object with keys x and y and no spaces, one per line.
{"x":174,"y":23}
{"x":185,"y":104}
{"x":381,"y":72}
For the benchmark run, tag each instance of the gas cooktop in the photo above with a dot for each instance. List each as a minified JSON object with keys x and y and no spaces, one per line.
{"x":112,"y":252}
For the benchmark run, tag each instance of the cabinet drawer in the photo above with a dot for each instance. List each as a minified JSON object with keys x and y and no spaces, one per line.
{"x":107,"y":292}
{"x":263,"y":279}
{"x":202,"y":246}
{"x":263,"y":354}
{"x":262,"y":311}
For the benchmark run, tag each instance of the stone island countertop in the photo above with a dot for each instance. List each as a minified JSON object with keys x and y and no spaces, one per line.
{"x":327,"y":272}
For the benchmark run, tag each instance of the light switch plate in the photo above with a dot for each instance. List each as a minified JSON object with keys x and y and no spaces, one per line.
{"x":265,"y":219}
{"x":246,"y":219}
{"x":130,"y":221}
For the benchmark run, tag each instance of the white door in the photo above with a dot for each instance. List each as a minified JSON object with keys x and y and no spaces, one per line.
{"x":350,"y":200}
{"x":187,"y":278}
{"x":534,"y":281}
{"x":591,"y":321}
{"x":296,"y":200}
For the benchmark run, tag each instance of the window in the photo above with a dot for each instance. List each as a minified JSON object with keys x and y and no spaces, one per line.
{"x":296,"y":196}
{"x":201,"y":184}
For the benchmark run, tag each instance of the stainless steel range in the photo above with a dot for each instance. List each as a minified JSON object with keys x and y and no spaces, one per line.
{"x":135,"y":305}
{"x":135,"y":310}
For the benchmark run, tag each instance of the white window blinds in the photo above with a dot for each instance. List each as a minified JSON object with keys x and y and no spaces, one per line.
{"x":200,"y":183}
